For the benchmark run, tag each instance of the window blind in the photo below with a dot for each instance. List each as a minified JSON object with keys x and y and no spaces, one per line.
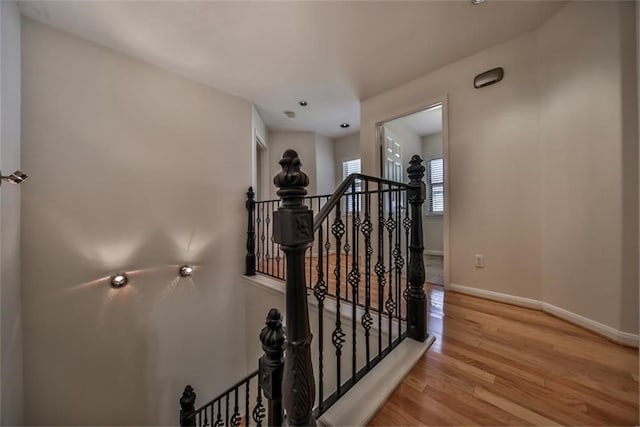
{"x":349,"y":167}
{"x":435,"y":182}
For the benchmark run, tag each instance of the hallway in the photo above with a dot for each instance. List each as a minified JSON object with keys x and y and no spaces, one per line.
{"x":496,"y":364}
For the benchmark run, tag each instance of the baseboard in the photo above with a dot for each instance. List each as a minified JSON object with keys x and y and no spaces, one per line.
{"x":624,"y":338}
{"x":433,"y":252}
{"x":497,"y":296}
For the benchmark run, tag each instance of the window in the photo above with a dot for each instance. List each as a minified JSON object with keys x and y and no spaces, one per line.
{"x":349,"y":167}
{"x":435,"y":184}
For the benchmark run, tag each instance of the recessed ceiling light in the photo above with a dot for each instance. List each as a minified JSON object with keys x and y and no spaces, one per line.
{"x":290,"y":114}
{"x":119,"y":280}
{"x":477,"y":1}
{"x":303,"y":103}
{"x":345,"y":125}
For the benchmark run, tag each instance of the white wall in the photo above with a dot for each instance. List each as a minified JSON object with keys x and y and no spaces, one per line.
{"x":493,"y":185}
{"x":11,"y":378}
{"x":316,"y":153}
{"x":304,"y":144}
{"x":325,"y":161}
{"x":345,"y":148}
{"x":433,"y":224}
{"x":535,"y":163}
{"x":133,"y":169}
{"x":582,"y":144}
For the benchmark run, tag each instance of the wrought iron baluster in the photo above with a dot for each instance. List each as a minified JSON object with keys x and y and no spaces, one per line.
{"x":380,"y":270}
{"x":398,"y":259}
{"x":226,"y":411}
{"x":258,"y":413}
{"x":235,"y":417}
{"x":337,"y":338}
{"x":390,"y":304}
{"x":219,"y":421}
{"x":260,"y":252}
{"x":247,"y":415}
{"x":348,"y":215}
{"x":250,"y":258}
{"x":366,"y":229}
{"x":270,"y":247}
{"x":309,"y":263}
{"x":320,"y":292}
{"x":354,"y":278}
{"x":406,"y":223}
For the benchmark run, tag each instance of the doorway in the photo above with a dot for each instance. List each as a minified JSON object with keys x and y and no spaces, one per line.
{"x":261,"y":170}
{"x":422,"y":132}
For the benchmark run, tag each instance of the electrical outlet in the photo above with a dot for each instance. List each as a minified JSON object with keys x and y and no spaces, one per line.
{"x":479,"y":261}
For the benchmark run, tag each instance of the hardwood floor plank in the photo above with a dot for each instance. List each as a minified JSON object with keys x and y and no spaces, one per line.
{"x":497,"y":364}
{"x":513,"y":408}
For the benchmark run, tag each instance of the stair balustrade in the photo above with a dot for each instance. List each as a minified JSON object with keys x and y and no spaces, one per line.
{"x":347,"y":253}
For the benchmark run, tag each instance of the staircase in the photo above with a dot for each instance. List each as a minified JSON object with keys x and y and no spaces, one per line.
{"x":356,"y":257}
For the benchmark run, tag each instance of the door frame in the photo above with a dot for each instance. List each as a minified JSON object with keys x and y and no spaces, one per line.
{"x":444,"y":100}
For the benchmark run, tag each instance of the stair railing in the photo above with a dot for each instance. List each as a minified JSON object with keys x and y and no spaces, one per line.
{"x":387,"y":294}
{"x":368,"y":298}
{"x":242,"y":403}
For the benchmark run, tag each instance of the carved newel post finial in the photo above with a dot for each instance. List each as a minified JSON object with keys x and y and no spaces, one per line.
{"x":293,"y":230}
{"x":271,"y":365}
{"x":416,"y":297}
{"x":291,"y":180}
{"x":187,"y":407}
{"x":415,"y":171}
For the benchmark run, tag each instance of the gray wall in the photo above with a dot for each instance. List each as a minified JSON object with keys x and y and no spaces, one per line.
{"x":133,"y":169}
{"x":11,"y":378}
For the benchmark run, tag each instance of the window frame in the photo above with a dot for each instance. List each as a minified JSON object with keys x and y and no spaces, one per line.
{"x":431,"y":185}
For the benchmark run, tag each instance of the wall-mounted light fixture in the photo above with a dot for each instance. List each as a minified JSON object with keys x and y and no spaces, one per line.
{"x":488,"y":77}
{"x":186,"y":270}
{"x":119,"y":280}
{"x":15,"y":178}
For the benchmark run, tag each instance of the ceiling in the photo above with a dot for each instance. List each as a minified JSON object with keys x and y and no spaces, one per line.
{"x":330,"y":53}
{"x":423,"y":123}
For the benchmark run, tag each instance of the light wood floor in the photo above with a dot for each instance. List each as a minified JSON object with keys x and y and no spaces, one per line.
{"x":496,"y":364}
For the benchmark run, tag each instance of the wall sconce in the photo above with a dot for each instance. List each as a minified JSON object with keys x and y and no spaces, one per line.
{"x":15,"y":178}
{"x":119,"y":280}
{"x":186,"y":270}
{"x":488,"y":77}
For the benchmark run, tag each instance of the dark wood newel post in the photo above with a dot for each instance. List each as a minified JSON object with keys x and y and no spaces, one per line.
{"x":293,"y":230}
{"x":250,"y":258}
{"x":416,"y":298}
{"x":271,"y":365}
{"x":188,"y":407}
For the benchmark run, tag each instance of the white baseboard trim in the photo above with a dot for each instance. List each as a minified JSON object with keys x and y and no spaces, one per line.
{"x":362,"y":402}
{"x":433,"y":252}
{"x":624,"y":338}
